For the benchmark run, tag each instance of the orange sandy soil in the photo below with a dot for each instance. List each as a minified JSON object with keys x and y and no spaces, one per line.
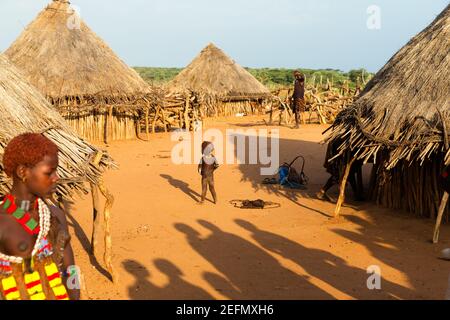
{"x":168,"y":247}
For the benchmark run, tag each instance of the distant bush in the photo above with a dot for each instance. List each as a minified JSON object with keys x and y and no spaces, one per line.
{"x":271,"y":77}
{"x":158,"y":75}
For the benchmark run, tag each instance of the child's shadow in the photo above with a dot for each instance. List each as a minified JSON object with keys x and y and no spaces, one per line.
{"x":183,"y":186}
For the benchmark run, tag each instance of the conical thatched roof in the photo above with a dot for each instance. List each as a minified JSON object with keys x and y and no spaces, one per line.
{"x":62,"y":60}
{"x":404,"y":106}
{"x":24,"y":109}
{"x":213,"y":72}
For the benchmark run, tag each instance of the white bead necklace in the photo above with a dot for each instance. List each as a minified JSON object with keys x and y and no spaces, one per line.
{"x":44,"y":223}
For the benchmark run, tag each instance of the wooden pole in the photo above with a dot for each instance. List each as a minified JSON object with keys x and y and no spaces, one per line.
{"x":163,"y":117}
{"x":271,"y":114}
{"x":137,"y":127}
{"x":180,"y":115}
{"x":96,"y":220}
{"x":147,"y":128}
{"x":107,"y":220}
{"x":106,"y":133}
{"x":281,"y":114}
{"x":155,"y":119}
{"x":186,"y":114}
{"x":446,"y":195}
{"x":439,"y":217}
{"x":342,"y":186}
{"x":109,"y":125}
{"x":95,"y":207}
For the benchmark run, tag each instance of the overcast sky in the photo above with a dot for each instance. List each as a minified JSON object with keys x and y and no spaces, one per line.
{"x":256,"y":33}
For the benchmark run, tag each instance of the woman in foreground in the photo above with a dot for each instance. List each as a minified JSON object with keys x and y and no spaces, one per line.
{"x":36,"y":258}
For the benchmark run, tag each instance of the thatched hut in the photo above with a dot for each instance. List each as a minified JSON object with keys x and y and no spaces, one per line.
{"x":401,"y":122}
{"x":96,"y":92}
{"x":225,"y":87}
{"x":24,"y":109}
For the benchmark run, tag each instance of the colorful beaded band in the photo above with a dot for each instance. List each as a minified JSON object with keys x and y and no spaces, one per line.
{"x":33,"y":285}
{"x":30,"y":225}
{"x":55,"y":282}
{"x":5,"y":267}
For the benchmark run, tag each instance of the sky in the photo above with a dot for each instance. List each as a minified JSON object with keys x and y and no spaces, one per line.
{"x":316,"y":34}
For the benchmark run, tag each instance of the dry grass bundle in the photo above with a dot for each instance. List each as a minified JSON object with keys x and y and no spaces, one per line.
{"x":24,"y":109}
{"x":215,"y":73}
{"x":78,"y":72}
{"x":63,"y":61}
{"x":221,"y":85}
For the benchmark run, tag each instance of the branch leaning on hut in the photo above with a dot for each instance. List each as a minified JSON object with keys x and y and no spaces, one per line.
{"x":445,"y":197}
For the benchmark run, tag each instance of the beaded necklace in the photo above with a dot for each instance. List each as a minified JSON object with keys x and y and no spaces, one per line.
{"x":32,"y":279}
{"x":24,"y":218}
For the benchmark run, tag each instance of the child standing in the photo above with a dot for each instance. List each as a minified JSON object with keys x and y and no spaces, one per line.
{"x":208,"y":164}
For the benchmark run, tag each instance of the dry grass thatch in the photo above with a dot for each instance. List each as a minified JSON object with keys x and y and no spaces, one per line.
{"x":401,"y":122}
{"x":24,"y":109}
{"x":216,"y":74}
{"x":405,"y":108}
{"x":70,"y":64}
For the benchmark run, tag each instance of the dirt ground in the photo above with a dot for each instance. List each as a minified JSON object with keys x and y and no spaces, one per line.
{"x":166,"y":246}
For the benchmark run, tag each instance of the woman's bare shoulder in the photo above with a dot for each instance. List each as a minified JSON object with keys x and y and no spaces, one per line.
{"x":59,"y":214}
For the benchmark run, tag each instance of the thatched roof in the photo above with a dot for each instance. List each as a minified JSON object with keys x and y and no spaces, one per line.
{"x":61,"y":60}
{"x":404,"y":107}
{"x":213,"y":72}
{"x":24,"y":109}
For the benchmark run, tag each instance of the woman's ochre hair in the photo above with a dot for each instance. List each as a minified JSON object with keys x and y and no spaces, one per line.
{"x":27,"y":149}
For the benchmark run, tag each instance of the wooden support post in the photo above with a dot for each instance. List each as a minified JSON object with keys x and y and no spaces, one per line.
{"x":439,"y":217}
{"x":107,"y":258}
{"x":96,"y":219}
{"x":107,"y":219}
{"x":137,"y":127}
{"x":271,"y":114}
{"x":446,"y":195}
{"x":147,"y":126}
{"x":109,"y":125}
{"x":95,"y":207}
{"x":186,"y":114}
{"x":281,"y":115}
{"x":180,"y":115}
{"x":342,"y":186}
{"x":322,"y":119}
{"x":105,"y":132}
{"x":155,"y":119}
{"x":163,"y":117}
